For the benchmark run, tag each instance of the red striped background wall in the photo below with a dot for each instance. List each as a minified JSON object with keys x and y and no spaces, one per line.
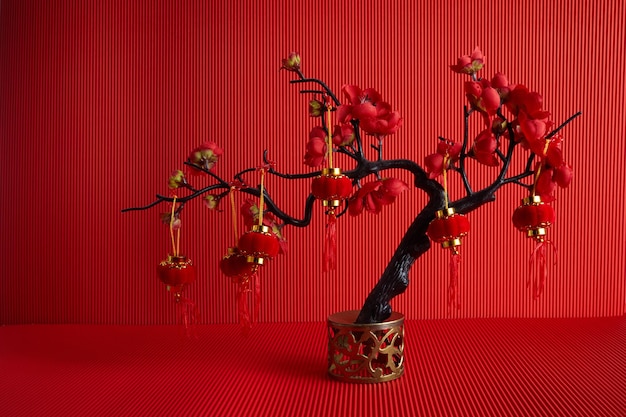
{"x":101,"y":100}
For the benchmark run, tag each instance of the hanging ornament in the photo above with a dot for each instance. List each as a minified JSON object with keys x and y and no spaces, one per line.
{"x":332,"y":187}
{"x":242,"y":261}
{"x":534,"y":217}
{"x":447,"y":229}
{"x":177,"y":271}
{"x":259,"y":243}
{"x":242,"y":273}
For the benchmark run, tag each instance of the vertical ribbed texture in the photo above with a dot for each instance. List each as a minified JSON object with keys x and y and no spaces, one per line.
{"x":101,"y":100}
{"x":480,"y":367}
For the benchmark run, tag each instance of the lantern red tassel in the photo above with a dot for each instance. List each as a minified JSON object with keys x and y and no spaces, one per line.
{"x":332,"y":187}
{"x":447,"y":229}
{"x":534,"y":217}
{"x":177,"y":271}
{"x":236,"y":266}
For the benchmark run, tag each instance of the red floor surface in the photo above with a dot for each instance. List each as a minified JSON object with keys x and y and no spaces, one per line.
{"x":479,"y":367}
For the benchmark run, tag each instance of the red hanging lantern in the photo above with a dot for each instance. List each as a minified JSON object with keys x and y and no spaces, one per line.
{"x":534,"y":217}
{"x":259,"y":244}
{"x":236,"y":266}
{"x":447,"y":229}
{"x":332,"y":187}
{"x":177,"y":271}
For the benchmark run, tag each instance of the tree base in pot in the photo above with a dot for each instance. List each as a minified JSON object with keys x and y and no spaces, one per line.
{"x":365,"y":353}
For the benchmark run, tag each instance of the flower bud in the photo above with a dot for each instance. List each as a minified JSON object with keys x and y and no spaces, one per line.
{"x":292,"y":62}
{"x":210,"y":201}
{"x":316,"y":108}
{"x":176,"y":179}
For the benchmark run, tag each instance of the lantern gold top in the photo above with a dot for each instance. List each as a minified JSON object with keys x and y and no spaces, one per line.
{"x":533,"y":199}
{"x":440,"y":214}
{"x":333,"y":172}
{"x":260,"y":228}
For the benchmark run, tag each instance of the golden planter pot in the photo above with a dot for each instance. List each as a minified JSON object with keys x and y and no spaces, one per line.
{"x":365,"y":353}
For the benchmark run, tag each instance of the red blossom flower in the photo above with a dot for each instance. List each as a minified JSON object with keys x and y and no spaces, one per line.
{"x":501,"y":83}
{"x":545,"y":184}
{"x":392,"y":188}
{"x":563,"y":175}
{"x":372,"y":196}
{"x":553,"y":171}
{"x":469,"y":64}
{"x":521,"y":99}
{"x":434,"y":162}
{"x":386,"y":121}
{"x":482,"y":96}
{"x":343,"y":134}
{"x":316,"y":147}
{"x":484,"y":148}
{"x":376,"y":116}
{"x":204,"y":157}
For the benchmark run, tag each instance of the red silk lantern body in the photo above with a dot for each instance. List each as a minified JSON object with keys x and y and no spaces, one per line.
{"x":331,"y":187}
{"x":533,"y":216}
{"x":176,"y":271}
{"x":259,"y":244}
{"x":236,"y":266}
{"x":448,"y":228}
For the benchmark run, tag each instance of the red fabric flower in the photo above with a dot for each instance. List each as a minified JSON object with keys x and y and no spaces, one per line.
{"x":484,"y":149}
{"x":520,"y":99}
{"x":385,"y":122}
{"x":204,"y":157}
{"x":434,"y":162}
{"x":482,"y":96}
{"x":469,"y":64}
{"x":316,"y":147}
{"x":376,"y":116}
{"x":343,"y":134}
{"x":374,"y":195}
{"x":361,"y":103}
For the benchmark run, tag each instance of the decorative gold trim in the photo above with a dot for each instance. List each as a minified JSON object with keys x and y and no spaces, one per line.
{"x":333,"y":172}
{"x":451,"y":243}
{"x":331,"y":203}
{"x":260,"y":228}
{"x":255,"y":260}
{"x":540,"y":231}
{"x":441,"y":214}
{"x":365,"y":353}
{"x":533,"y":199}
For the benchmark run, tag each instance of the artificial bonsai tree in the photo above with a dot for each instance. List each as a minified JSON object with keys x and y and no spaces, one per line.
{"x":514,"y":122}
